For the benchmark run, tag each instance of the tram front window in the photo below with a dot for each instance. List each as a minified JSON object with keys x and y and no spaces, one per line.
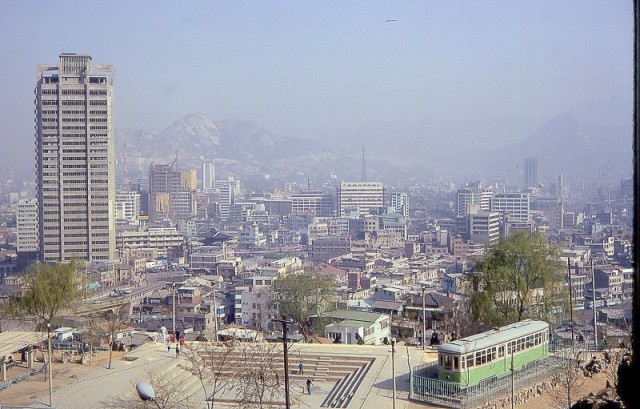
{"x":448,"y":362}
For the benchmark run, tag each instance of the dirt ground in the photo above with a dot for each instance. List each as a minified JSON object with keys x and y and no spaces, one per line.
{"x":558,"y":399}
{"x":36,"y":387}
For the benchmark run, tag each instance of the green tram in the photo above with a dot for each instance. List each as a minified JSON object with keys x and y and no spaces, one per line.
{"x":468,"y":361}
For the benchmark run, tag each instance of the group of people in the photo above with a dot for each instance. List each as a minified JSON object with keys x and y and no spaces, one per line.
{"x":179,"y":346}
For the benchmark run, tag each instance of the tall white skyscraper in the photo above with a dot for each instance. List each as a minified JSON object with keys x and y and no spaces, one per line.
{"x":208,"y":176}
{"x":75,"y":159}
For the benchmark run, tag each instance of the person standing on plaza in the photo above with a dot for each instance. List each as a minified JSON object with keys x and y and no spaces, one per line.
{"x":177,"y":350}
{"x":301,"y":368}
{"x":309,"y":383}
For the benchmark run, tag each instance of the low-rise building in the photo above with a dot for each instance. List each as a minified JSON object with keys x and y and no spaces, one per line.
{"x":349,"y":327}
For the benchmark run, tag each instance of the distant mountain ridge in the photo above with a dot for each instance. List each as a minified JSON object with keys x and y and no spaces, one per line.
{"x":195,"y":136}
{"x":568,"y":144}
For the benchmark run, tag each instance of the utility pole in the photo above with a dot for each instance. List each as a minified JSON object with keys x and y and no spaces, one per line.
{"x":49,"y":352}
{"x":593,"y":304}
{"x":285,"y":353}
{"x":424,"y":320}
{"x":513,"y":371}
{"x":570,"y":299}
{"x":215,"y":317}
{"x":173,"y":315}
{"x":393,"y":369}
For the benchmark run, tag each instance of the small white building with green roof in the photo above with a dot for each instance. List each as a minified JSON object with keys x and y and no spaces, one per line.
{"x":351,"y":326}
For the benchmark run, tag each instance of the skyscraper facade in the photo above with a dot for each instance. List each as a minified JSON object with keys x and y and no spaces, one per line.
{"x":530,"y":172}
{"x":75,"y":159}
{"x":208,"y":176}
{"x":364,"y":198}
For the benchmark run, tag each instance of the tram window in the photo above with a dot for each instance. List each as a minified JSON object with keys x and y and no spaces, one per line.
{"x":493,"y":353}
{"x":500,"y":351}
{"x":441,"y":360}
{"x":448,"y":362}
{"x":478,"y":358}
{"x":456,"y":362}
{"x":469,"y":360}
{"x":530,"y":341}
{"x":510,"y":347}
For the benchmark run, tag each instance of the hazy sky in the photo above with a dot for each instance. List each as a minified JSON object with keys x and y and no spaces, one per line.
{"x":322,"y":69}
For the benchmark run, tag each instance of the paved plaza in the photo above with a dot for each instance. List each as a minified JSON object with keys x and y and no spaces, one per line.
{"x":100,"y":386}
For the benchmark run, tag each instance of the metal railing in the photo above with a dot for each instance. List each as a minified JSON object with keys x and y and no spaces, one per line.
{"x":425,"y":387}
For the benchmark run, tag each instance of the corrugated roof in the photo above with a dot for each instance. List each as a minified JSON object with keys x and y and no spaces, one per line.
{"x":353,"y":315}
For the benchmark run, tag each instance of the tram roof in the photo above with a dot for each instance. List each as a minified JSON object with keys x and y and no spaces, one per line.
{"x":493,"y":337}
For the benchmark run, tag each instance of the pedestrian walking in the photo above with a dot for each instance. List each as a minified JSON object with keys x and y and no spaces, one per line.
{"x":181,"y":343}
{"x":309,"y":383}
{"x":177,"y":350}
{"x":301,"y":368}
{"x":168,"y":346}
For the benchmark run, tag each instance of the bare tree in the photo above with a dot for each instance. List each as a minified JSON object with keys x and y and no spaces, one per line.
{"x":114,"y":325}
{"x":568,"y":380}
{"x":212,"y":363}
{"x":259,"y":383}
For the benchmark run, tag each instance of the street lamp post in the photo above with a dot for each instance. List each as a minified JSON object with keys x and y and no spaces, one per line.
{"x":285,"y":354}
{"x":393,"y":369}
{"x":49,"y":352}
{"x":173,"y":305}
{"x":146,"y":393}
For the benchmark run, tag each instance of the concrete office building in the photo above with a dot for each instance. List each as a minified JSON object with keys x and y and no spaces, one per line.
{"x":365,"y":198}
{"x":484,"y":227}
{"x":27,"y":226}
{"x":515,"y":204}
{"x":127,"y":207}
{"x":312,"y":202}
{"x":474,"y":195}
{"x":400,"y":204}
{"x":75,"y":159}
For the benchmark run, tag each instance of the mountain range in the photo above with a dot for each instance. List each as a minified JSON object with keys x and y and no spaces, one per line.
{"x":577,"y":144}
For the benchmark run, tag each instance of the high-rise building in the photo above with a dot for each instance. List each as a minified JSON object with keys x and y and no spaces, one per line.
{"x":208,"y":176}
{"x":27,"y":226}
{"x":227,"y":189}
{"x":75,"y":159}
{"x":400,"y":203}
{"x":473,"y":195}
{"x":171,"y":193}
{"x":530,"y":172}
{"x":365,"y":198}
{"x":127,"y":208}
{"x":484,"y":227}
{"x":515,"y":204}
{"x":312,"y":202}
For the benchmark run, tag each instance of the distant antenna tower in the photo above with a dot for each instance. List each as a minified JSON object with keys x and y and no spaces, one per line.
{"x":364,"y":171}
{"x":308,"y":182}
